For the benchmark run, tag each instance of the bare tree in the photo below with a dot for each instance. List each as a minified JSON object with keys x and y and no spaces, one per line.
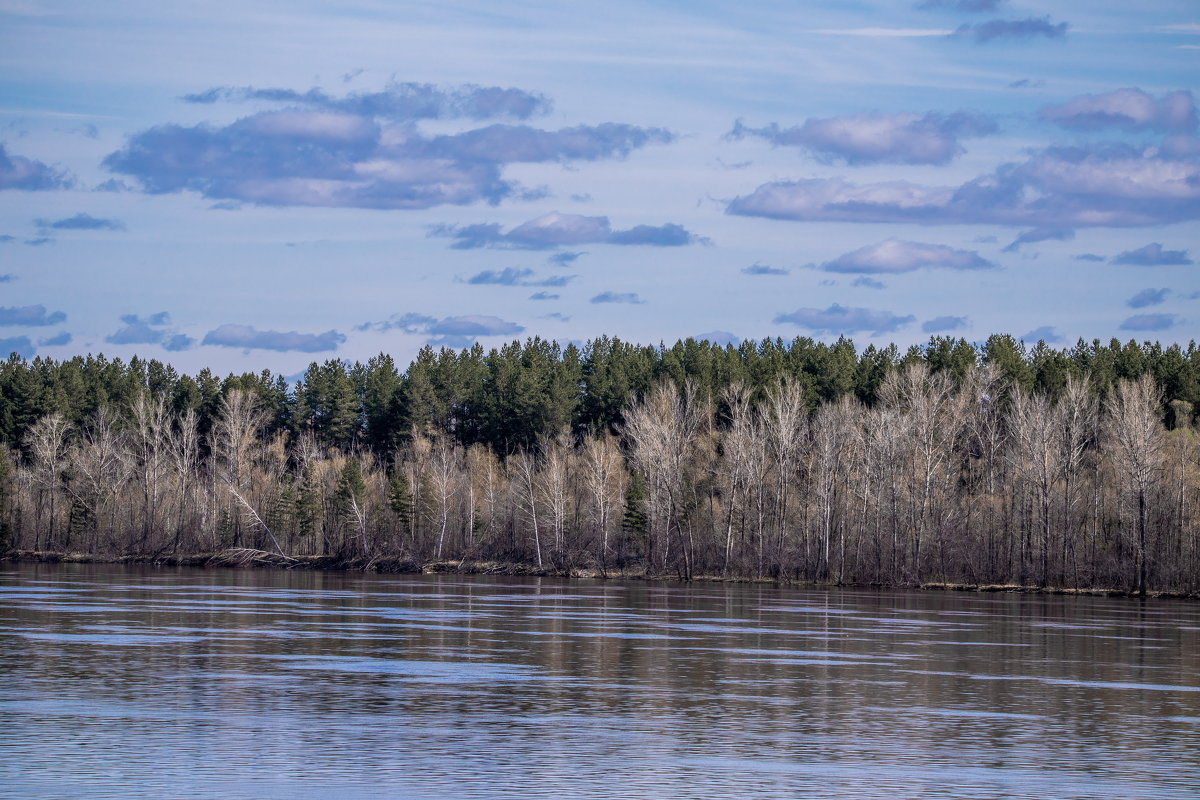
{"x":604,"y":479}
{"x":420,"y":450}
{"x":522,"y":468}
{"x":881,"y":434}
{"x":986,"y":436}
{"x":1133,"y":436}
{"x":1183,"y":454}
{"x":931,"y":416}
{"x":552,"y":485}
{"x":444,"y":475}
{"x":46,"y":442}
{"x":1078,"y":414}
{"x":485,"y":487}
{"x":184,"y":453}
{"x":833,"y":447}
{"x":739,"y":443}
{"x":306,"y":450}
{"x":662,"y":430}
{"x":99,"y":468}
{"x":1037,"y":455}
{"x":150,"y":443}
{"x":234,"y":440}
{"x":784,"y":418}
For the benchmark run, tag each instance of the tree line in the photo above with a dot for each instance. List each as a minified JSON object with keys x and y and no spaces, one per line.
{"x":956,"y":462}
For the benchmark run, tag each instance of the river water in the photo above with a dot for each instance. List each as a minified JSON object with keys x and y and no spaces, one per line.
{"x":156,"y":683}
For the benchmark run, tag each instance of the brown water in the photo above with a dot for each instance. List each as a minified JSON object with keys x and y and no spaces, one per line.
{"x":121,"y":682}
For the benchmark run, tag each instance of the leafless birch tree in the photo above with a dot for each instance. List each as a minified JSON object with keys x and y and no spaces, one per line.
{"x":1133,"y":435}
{"x":604,"y":482}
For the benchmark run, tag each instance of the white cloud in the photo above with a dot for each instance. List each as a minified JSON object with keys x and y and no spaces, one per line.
{"x":895,"y":255}
{"x":840,"y":320}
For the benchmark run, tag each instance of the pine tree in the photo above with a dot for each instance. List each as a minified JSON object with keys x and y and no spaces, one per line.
{"x":351,"y":496}
{"x":281,"y":513}
{"x":634,"y":519}
{"x":351,"y":488}
{"x":377,"y":385}
{"x":308,"y":505}
{"x":400,"y":498}
{"x":327,"y":404}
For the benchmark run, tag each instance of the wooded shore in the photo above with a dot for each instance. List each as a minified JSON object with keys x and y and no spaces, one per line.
{"x":959,"y":464}
{"x":242,"y":558}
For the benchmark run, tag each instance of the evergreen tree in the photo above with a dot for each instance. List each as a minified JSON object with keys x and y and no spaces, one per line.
{"x":281,"y":513}
{"x":634,"y":519}
{"x":956,"y":356}
{"x":351,"y":488}
{"x":378,"y":386}
{"x":308,"y":505}
{"x":873,"y":366}
{"x":327,"y":404}
{"x":351,"y":498}
{"x":420,"y":400}
{"x":1008,"y":355}
{"x":835,"y":370}
{"x":400,"y":499}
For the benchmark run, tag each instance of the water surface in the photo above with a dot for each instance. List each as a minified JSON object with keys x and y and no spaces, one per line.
{"x":150,"y":683}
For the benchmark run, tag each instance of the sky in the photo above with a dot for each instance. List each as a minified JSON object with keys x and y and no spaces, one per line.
{"x":265,"y":184}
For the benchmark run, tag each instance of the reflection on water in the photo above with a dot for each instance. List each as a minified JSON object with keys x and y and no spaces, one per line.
{"x":120,"y":682}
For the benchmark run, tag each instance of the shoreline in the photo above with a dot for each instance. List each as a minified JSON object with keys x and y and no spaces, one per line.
{"x":244,"y":558}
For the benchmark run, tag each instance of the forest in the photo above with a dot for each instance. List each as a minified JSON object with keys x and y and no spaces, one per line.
{"x":953,"y":462}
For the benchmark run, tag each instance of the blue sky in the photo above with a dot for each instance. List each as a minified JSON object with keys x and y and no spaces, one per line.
{"x":276,"y":182}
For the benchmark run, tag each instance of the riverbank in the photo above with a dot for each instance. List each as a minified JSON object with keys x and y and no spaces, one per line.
{"x":263,"y":559}
{"x":244,"y":558}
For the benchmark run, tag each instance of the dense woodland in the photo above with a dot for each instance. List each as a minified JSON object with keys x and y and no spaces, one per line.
{"x":794,"y":460}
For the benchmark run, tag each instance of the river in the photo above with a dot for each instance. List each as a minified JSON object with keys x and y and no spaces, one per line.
{"x":135,"y":682}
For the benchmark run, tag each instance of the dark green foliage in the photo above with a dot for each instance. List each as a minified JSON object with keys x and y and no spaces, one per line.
{"x":634,"y":520}
{"x":1050,"y":368}
{"x":1174,"y":373}
{"x":510,"y":397}
{"x":947,"y":354}
{"x":281,"y":512}
{"x":1009,"y":356}
{"x":350,"y":499}
{"x":327,"y":405}
{"x":529,"y":390}
{"x":210,"y":399}
{"x":834,"y":369}
{"x":1180,"y":414}
{"x":400,"y":498}
{"x":377,"y":386}
{"x":873,"y":367}
{"x":308,"y":504}
{"x":80,"y":520}
{"x":185,"y":396}
{"x":610,"y":372}
{"x":351,"y":488}
{"x":421,"y":404}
